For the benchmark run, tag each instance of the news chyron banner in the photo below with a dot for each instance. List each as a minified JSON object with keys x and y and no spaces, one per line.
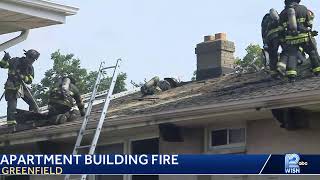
{"x":159,"y":164}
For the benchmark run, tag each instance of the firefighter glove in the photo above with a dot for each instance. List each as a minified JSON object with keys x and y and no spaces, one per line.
{"x":25,"y":79}
{"x":315,"y":33}
{"x":82,"y":112}
{"x":6,"y":57}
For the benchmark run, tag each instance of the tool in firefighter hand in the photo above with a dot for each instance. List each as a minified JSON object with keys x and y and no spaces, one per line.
{"x":254,"y":66}
{"x":37,"y":109}
{"x":2,"y":96}
{"x":79,"y":146}
{"x":3,"y":92}
{"x":266,"y":57}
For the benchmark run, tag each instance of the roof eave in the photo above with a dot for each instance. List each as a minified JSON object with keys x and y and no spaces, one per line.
{"x":52,"y":12}
{"x":187,"y":114}
{"x":67,"y":10}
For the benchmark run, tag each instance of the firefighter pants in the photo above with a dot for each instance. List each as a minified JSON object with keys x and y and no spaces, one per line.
{"x":311,"y":49}
{"x":291,"y":54}
{"x":273,"y":47}
{"x":59,"y":109}
{"x":56,"y":109}
{"x":11,"y":97}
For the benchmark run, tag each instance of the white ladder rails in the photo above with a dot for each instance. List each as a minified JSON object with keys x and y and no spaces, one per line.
{"x":84,"y":131}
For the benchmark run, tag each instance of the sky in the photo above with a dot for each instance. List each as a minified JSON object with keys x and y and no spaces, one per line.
{"x":153,"y":37}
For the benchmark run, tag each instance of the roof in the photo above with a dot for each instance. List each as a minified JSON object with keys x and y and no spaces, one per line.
{"x":214,"y":97}
{"x":19,"y":15}
{"x":232,"y":88}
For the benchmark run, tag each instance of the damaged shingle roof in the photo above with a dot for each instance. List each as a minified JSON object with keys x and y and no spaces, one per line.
{"x":228,"y":88}
{"x":214,"y":91}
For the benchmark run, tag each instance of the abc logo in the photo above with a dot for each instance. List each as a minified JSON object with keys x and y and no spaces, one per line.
{"x":301,"y":163}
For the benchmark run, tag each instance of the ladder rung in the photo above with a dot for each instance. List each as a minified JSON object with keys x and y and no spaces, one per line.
{"x":84,"y":147}
{"x":89,"y":131}
{"x":108,"y":67}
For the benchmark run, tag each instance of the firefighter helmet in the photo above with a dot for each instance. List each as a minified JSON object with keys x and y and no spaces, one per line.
{"x":32,"y":54}
{"x":69,"y":76}
{"x":287,"y":2}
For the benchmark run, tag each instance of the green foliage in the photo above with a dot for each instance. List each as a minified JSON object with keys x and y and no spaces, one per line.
{"x":252,"y":61}
{"x":105,"y":82}
{"x":69,"y":65}
{"x":194,"y":77}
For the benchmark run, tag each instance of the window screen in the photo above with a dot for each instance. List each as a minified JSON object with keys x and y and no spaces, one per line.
{"x":236,"y":135}
{"x":227,"y":136}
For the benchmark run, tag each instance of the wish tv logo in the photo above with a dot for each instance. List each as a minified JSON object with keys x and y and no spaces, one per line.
{"x":293,"y":163}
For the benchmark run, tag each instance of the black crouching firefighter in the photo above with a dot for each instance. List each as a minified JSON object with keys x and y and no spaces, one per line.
{"x":20,"y":71}
{"x":155,"y":85}
{"x":270,"y":31}
{"x":61,"y":101}
{"x":298,"y":35}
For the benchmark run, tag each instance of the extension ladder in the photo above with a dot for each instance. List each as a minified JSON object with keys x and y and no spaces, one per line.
{"x":84,"y":131}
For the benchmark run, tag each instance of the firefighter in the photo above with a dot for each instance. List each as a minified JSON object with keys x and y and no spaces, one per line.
{"x":156,"y":85}
{"x":20,"y":70}
{"x":297,"y":21}
{"x":61,"y":101}
{"x":270,"y":31}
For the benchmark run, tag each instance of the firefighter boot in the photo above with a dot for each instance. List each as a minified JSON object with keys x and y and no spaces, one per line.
{"x":316,"y":71}
{"x":60,"y":119}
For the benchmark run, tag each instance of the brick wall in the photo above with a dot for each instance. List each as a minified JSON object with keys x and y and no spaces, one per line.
{"x":215,"y":56}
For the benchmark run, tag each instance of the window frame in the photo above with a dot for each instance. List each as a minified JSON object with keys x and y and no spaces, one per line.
{"x":210,"y":137}
{"x":126,"y":147}
{"x":227,"y":148}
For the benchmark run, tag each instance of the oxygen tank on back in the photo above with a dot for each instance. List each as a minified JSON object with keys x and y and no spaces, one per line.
{"x":292,"y":21}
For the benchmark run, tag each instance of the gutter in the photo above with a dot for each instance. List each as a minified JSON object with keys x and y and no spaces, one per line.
{"x":187,"y":114}
{"x":67,"y":10}
{"x":12,"y":42}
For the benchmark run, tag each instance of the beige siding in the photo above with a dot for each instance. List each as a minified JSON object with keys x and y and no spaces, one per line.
{"x":193,"y":177}
{"x":258,"y":177}
{"x":172,"y":177}
{"x":228,"y":178}
{"x":192,"y":144}
{"x":283,"y":177}
{"x":46,"y":177}
{"x":266,"y":137}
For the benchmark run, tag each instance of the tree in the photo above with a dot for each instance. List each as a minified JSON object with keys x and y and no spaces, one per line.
{"x":105,"y":82}
{"x":252,"y":61}
{"x":69,"y":65}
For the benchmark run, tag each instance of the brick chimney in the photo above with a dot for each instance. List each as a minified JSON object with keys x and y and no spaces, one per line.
{"x":215,"y":56}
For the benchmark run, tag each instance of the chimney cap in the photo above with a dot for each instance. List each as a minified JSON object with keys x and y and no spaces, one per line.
{"x":209,"y":38}
{"x":221,"y":36}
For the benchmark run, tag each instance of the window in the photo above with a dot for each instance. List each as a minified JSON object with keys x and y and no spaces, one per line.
{"x":146,"y":146}
{"x":219,"y":137}
{"x":110,"y":149}
{"x":224,"y":137}
{"x":237,"y":135}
